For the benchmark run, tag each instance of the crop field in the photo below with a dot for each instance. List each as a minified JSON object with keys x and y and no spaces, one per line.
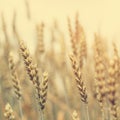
{"x":58,"y":78}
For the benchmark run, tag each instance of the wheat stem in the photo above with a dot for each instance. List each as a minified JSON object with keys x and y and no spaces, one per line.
{"x":20,"y":109}
{"x":42,"y":115}
{"x":87,"y":112}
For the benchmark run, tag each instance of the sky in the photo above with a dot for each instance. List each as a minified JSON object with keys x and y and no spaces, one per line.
{"x":95,"y":15}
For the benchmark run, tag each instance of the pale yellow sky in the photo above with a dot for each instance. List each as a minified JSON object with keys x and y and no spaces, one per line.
{"x":95,"y":15}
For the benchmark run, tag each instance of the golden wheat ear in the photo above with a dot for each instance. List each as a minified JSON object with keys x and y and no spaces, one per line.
{"x":40,"y":38}
{"x":80,"y":84}
{"x":31,"y":69}
{"x":75,"y":115}
{"x":112,"y":83}
{"x":8,"y":114}
{"x":15,"y":80}
{"x":111,"y":91}
{"x":28,"y":62}
{"x":44,"y":89}
{"x":100,"y":78}
{"x":78,"y":77}
{"x":72,"y":37}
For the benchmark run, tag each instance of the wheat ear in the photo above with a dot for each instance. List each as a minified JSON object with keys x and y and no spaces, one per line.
{"x":112,"y":82}
{"x":75,"y":115}
{"x":8,"y":114}
{"x":44,"y":89}
{"x":80,"y":85}
{"x":16,"y":84}
{"x":78,"y":78}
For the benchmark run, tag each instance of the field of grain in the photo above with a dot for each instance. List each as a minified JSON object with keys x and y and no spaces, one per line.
{"x":54,"y":72}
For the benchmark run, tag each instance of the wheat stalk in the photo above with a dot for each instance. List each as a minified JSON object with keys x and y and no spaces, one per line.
{"x":80,"y":84}
{"x":7,"y":43}
{"x":16,"y":84}
{"x":27,"y":5}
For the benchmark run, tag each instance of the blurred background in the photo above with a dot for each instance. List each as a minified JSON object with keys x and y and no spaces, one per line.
{"x":95,"y":15}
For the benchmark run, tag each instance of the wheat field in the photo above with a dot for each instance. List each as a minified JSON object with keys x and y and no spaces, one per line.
{"x":61,"y":78}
